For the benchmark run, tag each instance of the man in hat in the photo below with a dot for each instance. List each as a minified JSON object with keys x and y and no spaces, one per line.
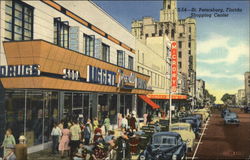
{"x":10,"y":148}
{"x":21,"y":149}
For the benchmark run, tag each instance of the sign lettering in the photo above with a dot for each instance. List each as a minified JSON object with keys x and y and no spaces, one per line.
{"x":174,"y":67}
{"x":20,"y":70}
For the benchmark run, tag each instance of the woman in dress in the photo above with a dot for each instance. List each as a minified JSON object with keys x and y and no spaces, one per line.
{"x":9,"y":139}
{"x":64,"y":142}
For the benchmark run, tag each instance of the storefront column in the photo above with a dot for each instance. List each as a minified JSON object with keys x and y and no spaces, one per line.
{"x":2,"y":114}
{"x":61,"y":104}
{"x":93,"y":104}
{"x":118,"y":104}
{"x":134,"y":99}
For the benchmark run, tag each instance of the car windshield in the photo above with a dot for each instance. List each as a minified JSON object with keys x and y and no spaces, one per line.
{"x":231,"y":115}
{"x":164,"y":140}
{"x":180,"y":128}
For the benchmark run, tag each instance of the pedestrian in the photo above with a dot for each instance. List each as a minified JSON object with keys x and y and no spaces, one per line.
{"x":75,"y":132}
{"x":8,"y":139}
{"x":106,"y":124}
{"x":95,"y":123}
{"x":124,"y":123}
{"x":145,"y":118}
{"x":87,"y":134}
{"x":97,"y":132}
{"x":128,"y":118}
{"x":119,"y":120}
{"x":64,"y":142}
{"x":10,"y":152}
{"x":55,"y":134}
{"x":21,"y":149}
{"x":123,"y":147}
{"x":132,"y":122}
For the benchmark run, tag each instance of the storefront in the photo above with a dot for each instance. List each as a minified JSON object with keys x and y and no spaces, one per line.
{"x":44,"y":83}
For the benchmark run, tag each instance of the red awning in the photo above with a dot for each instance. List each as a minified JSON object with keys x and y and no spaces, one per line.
{"x":149,"y":101}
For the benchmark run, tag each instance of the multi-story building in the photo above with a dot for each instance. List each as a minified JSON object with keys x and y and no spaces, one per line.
{"x":240,"y":97}
{"x":63,"y":60}
{"x":200,"y":92}
{"x":247,"y":87}
{"x":183,"y":31}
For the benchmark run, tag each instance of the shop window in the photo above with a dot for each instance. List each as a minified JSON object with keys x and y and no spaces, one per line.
{"x":15,"y":112}
{"x":68,"y":101}
{"x":113,"y":108}
{"x":130,"y":62}
{"x":61,"y":33}
{"x":120,"y":58}
{"x":77,"y":104}
{"x":89,"y":45}
{"x":86,"y":109}
{"x":180,"y":44}
{"x":105,"y":53}
{"x":18,"y":21}
{"x":34,"y":117}
{"x":179,"y":54}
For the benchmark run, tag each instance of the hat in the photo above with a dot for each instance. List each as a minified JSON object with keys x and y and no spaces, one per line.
{"x":22,"y":137}
{"x":10,"y":146}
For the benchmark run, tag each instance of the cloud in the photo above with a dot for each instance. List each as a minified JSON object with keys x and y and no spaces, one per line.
{"x":207,"y":73}
{"x":215,"y":41}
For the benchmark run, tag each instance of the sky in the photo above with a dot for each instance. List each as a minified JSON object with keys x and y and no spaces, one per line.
{"x":222,"y":42}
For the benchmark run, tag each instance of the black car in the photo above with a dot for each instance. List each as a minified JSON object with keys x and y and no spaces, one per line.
{"x":247,"y":109}
{"x":164,"y":146}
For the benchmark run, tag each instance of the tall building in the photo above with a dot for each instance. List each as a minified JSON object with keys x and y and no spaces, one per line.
{"x":200,"y":92}
{"x":63,"y":60}
{"x":240,"y":97}
{"x":247,"y":87}
{"x":183,"y":31}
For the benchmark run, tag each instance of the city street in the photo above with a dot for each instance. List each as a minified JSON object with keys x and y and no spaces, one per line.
{"x":225,"y":142}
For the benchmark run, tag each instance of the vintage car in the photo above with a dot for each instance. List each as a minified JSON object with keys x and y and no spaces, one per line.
{"x":247,"y":109}
{"x":186,"y":132}
{"x":231,"y":118}
{"x":194,"y":121}
{"x":164,"y":146}
{"x":224,"y":111}
{"x":203,"y":114}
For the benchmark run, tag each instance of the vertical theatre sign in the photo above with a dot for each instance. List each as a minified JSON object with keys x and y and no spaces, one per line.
{"x":174,"y":66}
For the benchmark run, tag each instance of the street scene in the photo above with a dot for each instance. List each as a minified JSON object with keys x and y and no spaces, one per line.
{"x":124,"y":80}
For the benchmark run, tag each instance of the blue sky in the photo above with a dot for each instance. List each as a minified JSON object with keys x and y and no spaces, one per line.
{"x":222,"y":42}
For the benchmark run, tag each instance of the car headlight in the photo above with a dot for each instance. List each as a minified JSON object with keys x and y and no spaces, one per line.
{"x":142,"y":157}
{"x":174,"y":157}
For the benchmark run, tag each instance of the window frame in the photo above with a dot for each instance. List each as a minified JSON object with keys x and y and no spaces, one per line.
{"x":130,"y":65}
{"x":106,"y":48}
{"x":59,"y":33}
{"x":22,"y":11}
{"x":122,"y":53}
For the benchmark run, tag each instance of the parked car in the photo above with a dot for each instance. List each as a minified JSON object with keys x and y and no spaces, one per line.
{"x":224,"y":111}
{"x":247,"y":109}
{"x":186,"y":132}
{"x":194,"y":121}
{"x":164,"y":146}
{"x":231,"y":118}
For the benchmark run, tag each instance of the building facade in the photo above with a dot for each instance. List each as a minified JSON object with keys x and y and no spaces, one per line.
{"x":240,"y":97}
{"x":247,"y":87}
{"x":183,"y":31}
{"x":200,"y":92}
{"x":60,"y":60}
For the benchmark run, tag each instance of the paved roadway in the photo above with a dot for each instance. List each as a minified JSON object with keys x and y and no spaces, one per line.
{"x":221,"y":141}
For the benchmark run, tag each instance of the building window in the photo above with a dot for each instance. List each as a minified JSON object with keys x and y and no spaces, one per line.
{"x":180,"y":44}
{"x":146,"y":35}
{"x":190,"y":29}
{"x":181,"y":34}
{"x":189,"y":52}
{"x":172,"y":33}
{"x":189,"y":37}
{"x":120,"y":58}
{"x":130,"y":62}
{"x":179,"y":54}
{"x":18,"y":21}
{"x":189,"y":44}
{"x":105,"y":52}
{"x":88,"y":45}
{"x":180,"y":65}
{"x":153,"y":34}
{"x":167,"y":31}
{"x":61,"y":33}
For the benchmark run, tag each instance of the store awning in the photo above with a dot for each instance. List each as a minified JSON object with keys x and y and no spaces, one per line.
{"x":149,"y":102}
